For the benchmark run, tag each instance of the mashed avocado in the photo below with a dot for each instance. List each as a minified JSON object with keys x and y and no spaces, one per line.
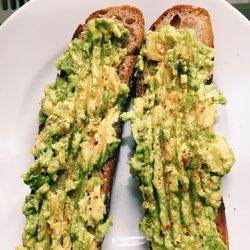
{"x":66,"y":208}
{"x":179,"y":159}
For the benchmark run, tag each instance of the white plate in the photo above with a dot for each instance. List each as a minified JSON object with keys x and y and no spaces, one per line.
{"x":30,"y":42}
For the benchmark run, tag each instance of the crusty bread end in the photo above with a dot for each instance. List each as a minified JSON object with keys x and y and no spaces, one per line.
{"x":188,"y":17}
{"x":221,"y":223}
{"x":130,"y":17}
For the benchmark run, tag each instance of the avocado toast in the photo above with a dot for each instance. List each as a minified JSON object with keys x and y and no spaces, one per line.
{"x":76,"y":147}
{"x":179,"y":160}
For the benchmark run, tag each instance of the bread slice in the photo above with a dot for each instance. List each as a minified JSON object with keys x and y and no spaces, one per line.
{"x":133,"y":20}
{"x":198,"y":19}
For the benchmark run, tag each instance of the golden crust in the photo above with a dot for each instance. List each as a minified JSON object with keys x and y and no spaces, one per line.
{"x":131,"y":18}
{"x":188,"y":17}
{"x":222,"y":223}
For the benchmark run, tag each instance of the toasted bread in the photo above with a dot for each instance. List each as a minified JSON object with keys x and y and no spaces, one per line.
{"x":198,"y":19}
{"x":132,"y":19}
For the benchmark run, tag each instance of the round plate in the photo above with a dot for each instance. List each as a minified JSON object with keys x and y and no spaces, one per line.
{"x":30,"y":42}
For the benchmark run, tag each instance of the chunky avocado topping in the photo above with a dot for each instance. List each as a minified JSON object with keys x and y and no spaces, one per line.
{"x":179,"y":159}
{"x":67,"y":207}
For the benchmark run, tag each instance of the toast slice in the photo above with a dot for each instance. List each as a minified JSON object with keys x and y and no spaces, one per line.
{"x":198,"y":19}
{"x":188,"y":17}
{"x":71,"y":179}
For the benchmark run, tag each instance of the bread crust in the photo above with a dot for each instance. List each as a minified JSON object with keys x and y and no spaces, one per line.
{"x":188,"y":17}
{"x":183,"y":17}
{"x":130,"y":17}
{"x":221,"y":223}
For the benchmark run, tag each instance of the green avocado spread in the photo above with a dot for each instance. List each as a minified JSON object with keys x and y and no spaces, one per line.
{"x":67,"y":208}
{"x":179,"y":159}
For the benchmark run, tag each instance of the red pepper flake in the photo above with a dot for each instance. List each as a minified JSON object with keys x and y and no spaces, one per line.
{"x":49,"y":230}
{"x":167,"y":227}
{"x":167,"y":171}
{"x":199,"y":172}
{"x":185,"y":162}
{"x":186,"y":231}
{"x":38,"y":170}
